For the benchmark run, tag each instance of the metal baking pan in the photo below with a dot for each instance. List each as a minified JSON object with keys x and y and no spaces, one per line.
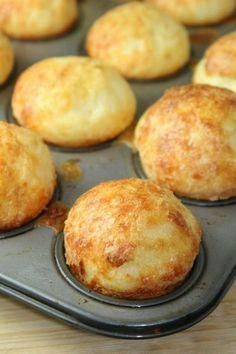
{"x":32,"y":265}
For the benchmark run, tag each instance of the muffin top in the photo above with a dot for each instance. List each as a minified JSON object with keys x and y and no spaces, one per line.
{"x":221,"y":57}
{"x":73,"y":101}
{"x":37,"y":19}
{"x":139,"y":40}
{"x":27,"y":176}
{"x":187,"y":141}
{"x":131,"y":239}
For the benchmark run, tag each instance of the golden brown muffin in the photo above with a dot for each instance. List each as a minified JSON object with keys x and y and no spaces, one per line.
{"x":73,"y":101}
{"x":131,"y":239}
{"x":37,"y":19}
{"x":27,"y":176}
{"x":140,"y":41}
{"x":6,"y":58}
{"x":218,"y":66}
{"x":187,"y":141}
{"x":197,"y":12}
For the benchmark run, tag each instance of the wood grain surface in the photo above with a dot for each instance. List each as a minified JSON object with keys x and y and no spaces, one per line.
{"x":26,"y":331}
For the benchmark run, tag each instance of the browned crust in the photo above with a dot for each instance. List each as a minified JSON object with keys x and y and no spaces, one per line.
{"x":124,"y":38}
{"x":184,"y":144}
{"x":221,"y":57}
{"x":43,"y":202}
{"x":25,"y":190}
{"x":18,"y":9}
{"x":116,"y":226}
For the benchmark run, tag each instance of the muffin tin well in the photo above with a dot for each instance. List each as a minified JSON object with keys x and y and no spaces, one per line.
{"x":32,"y":265}
{"x":198,"y":202}
{"x":189,"y":282}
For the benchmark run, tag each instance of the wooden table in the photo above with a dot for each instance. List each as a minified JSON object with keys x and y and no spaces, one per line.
{"x":26,"y":331}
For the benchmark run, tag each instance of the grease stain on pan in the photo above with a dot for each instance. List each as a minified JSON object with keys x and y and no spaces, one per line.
{"x":203,"y":35}
{"x":54,"y":217}
{"x":230,"y":20}
{"x":70,"y":170}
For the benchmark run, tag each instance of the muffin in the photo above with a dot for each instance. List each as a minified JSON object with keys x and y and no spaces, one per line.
{"x":218,"y":66}
{"x":140,"y":41}
{"x":27,"y":176}
{"x":131,"y":239}
{"x":37,"y":19}
{"x":6,"y":58}
{"x":73,"y":101}
{"x":197,"y":12}
{"x":187,"y":142}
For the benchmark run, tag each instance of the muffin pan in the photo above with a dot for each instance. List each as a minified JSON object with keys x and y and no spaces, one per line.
{"x":65,"y":271}
{"x":32,"y":265}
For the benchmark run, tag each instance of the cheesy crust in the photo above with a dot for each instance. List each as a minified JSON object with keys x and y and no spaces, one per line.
{"x":131,"y":239}
{"x":187,"y":141}
{"x":27,"y":176}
